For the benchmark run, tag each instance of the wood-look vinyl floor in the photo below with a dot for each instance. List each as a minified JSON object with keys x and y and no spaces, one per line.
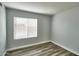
{"x":45,"y":49}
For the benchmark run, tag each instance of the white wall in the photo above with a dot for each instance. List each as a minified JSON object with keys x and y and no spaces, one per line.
{"x":2,"y":30}
{"x":43,"y":28}
{"x":65,"y":29}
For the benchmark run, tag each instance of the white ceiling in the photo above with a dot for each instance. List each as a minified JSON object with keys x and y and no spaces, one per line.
{"x":49,"y":8}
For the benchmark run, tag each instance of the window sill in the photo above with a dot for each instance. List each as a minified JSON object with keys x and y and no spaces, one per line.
{"x":24,"y":38}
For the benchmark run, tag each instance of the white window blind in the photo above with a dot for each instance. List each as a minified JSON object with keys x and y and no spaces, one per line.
{"x":25,"y":28}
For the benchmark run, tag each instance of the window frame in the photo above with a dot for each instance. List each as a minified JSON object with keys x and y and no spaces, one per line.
{"x":27,"y":34}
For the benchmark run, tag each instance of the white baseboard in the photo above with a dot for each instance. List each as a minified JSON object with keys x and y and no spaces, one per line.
{"x":4,"y":53}
{"x":66,"y":48}
{"x":26,"y":45}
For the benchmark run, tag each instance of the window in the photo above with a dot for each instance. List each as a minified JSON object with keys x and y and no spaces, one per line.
{"x":25,"y":28}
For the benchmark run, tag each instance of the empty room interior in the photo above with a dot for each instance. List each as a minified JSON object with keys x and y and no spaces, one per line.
{"x":39,"y":28}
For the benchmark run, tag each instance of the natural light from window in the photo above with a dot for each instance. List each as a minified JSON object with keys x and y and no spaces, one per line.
{"x":25,"y":28}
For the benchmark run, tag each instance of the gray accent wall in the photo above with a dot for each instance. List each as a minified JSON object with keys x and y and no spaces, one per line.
{"x":2,"y":30}
{"x":43,"y":28}
{"x":65,"y":29}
